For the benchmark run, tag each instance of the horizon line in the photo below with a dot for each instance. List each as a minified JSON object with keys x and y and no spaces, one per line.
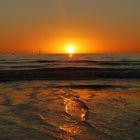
{"x":67,"y":53}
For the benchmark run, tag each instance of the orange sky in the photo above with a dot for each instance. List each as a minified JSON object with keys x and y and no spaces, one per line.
{"x":91,"y":26}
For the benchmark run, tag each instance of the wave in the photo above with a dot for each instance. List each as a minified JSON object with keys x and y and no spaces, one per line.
{"x":95,"y":87}
{"x":74,"y":61}
{"x":89,"y":61}
{"x":69,"y":73}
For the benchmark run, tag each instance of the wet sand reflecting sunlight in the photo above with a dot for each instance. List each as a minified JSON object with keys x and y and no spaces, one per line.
{"x":35,"y":110}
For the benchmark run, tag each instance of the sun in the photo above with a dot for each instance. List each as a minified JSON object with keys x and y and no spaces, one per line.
{"x":70,"y":49}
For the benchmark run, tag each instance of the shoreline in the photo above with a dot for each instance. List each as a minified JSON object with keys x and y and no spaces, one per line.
{"x":36,"y":111}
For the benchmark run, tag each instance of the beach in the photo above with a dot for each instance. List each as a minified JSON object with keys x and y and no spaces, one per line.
{"x":69,"y":69}
{"x":35,"y":110}
{"x":31,"y":104}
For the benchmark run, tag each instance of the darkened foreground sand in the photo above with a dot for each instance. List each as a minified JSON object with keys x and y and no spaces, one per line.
{"x":68,"y":73}
{"x":35,"y":111}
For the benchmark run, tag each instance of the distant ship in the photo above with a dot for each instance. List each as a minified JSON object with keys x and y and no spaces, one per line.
{"x":39,"y":52}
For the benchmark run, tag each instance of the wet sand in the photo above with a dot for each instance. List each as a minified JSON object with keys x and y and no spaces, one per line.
{"x":34,"y":110}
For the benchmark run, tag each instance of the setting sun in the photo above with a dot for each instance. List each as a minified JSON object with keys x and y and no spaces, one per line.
{"x":70,"y":49}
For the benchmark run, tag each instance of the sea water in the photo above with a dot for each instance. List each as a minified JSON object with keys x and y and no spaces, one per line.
{"x":34,"y":109}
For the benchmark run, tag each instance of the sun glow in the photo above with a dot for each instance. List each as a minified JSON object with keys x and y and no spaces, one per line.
{"x":70,"y":49}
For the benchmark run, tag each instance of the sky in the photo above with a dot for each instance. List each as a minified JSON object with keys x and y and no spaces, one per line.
{"x":92,"y":26}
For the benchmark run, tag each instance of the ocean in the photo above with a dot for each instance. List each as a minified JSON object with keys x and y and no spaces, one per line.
{"x":21,"y":62}
{"x":32,"y":86}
